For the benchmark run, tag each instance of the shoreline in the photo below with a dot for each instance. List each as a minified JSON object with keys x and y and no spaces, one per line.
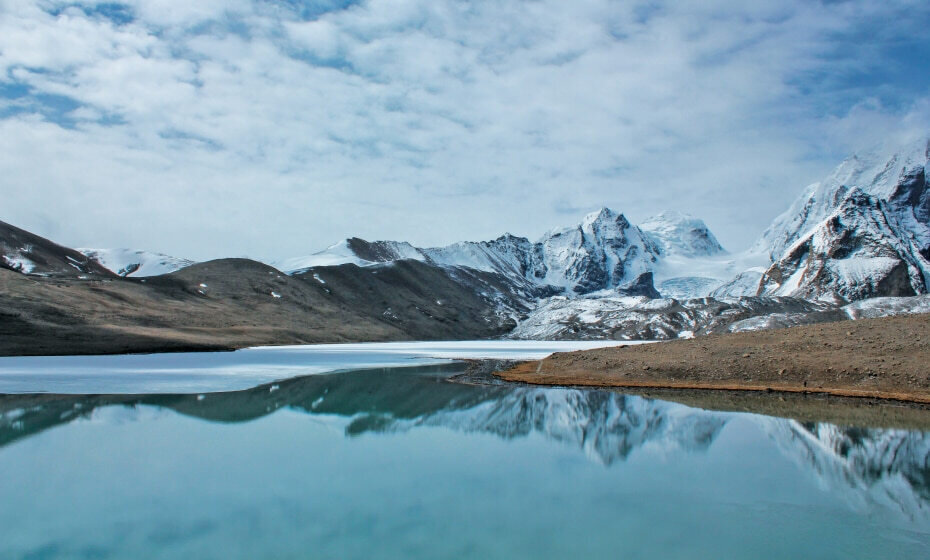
{"x":886,"y":358}
{"x":519,"y":373}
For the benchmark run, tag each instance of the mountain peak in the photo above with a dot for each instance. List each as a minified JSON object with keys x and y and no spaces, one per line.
{"x":679,"y":233}
{"x":884,"y":173}
{"x":605,"y":214}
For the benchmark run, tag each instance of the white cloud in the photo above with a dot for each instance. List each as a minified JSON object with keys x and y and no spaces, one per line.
{"x":216,"y":128}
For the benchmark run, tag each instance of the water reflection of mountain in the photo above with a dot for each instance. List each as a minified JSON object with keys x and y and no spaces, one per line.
{"x":891,"y":467}
{"x":607,"y":426}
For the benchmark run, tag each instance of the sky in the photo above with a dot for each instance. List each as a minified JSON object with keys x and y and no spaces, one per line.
{"x":274,"y":128}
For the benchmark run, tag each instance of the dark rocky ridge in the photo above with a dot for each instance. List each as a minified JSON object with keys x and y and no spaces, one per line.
{"x":232,"y":303}
{"x":43,"y":257}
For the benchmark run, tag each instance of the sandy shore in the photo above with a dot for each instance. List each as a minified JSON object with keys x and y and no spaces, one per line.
{"x":887,"y":358}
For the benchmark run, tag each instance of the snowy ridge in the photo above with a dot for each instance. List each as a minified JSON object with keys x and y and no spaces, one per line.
{"x":605,"y":251}
{"x":859,"y":251}
{"x":352,"y":251}
{"x":682,"y":234}
{"x":876,"y":174}
{"x":862,"y":232}
{"x":129,"y":262}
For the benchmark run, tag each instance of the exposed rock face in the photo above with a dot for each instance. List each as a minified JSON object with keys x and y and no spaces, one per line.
{"x":641,"y":318}
{"x":382,"y":251}
{"x":860,"y":251}
{"x":863,"y":232}
{"x":605,"y":251}
{"x":641,"y":286}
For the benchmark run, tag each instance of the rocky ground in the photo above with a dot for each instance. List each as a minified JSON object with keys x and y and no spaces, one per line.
{"x":885,"y":358}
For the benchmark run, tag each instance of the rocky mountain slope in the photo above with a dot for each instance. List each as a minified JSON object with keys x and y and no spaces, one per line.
{"x":862,"y":232}
{"x":27,"y":253}
{"x":231,"y":303}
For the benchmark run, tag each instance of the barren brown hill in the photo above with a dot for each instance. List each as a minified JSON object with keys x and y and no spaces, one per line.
{"x":232,"y":303}
{"x":884,"y":358}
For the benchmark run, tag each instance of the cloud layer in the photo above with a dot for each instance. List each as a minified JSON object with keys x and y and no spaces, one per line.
{"x":274,"y":128}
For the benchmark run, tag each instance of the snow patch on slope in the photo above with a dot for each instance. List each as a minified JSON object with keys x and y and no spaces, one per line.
{"x":19,"y":263}
{"x":334,"y":255}
{"x":130,"y":262}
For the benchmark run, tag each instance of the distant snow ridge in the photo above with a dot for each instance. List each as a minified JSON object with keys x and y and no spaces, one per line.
{"x":605,"y":251}
{"x":130,"y":262}
{"x":682,"y":234}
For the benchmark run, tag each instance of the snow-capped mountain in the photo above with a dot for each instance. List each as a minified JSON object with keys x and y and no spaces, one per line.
{"x":681,"y":234}
{"x":604,"y":251}
{"x":129,"y":262}
{"x":692,"y":262}
{"x":859,"y":251}
{"x":898,"y":177}
{"x":862,"y":232}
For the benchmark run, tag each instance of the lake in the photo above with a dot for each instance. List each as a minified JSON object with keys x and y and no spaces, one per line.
{"x":373,"y":451}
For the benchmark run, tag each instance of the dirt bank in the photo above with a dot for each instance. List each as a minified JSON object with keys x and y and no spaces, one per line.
{"x":887,"y":358}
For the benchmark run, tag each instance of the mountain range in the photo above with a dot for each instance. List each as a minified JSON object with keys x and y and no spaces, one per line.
{"x":860,"y":235}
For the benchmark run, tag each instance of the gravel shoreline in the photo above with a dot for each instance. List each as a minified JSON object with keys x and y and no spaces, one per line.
{"x":885,"y":358}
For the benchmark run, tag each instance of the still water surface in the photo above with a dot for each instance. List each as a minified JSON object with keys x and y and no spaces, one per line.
{"x":401,"y":462}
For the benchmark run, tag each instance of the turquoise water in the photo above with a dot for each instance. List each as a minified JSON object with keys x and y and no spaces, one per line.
{"x":403,"y":463}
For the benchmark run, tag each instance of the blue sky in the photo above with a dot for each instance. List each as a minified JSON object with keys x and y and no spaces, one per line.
{"x":275,"y":128}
